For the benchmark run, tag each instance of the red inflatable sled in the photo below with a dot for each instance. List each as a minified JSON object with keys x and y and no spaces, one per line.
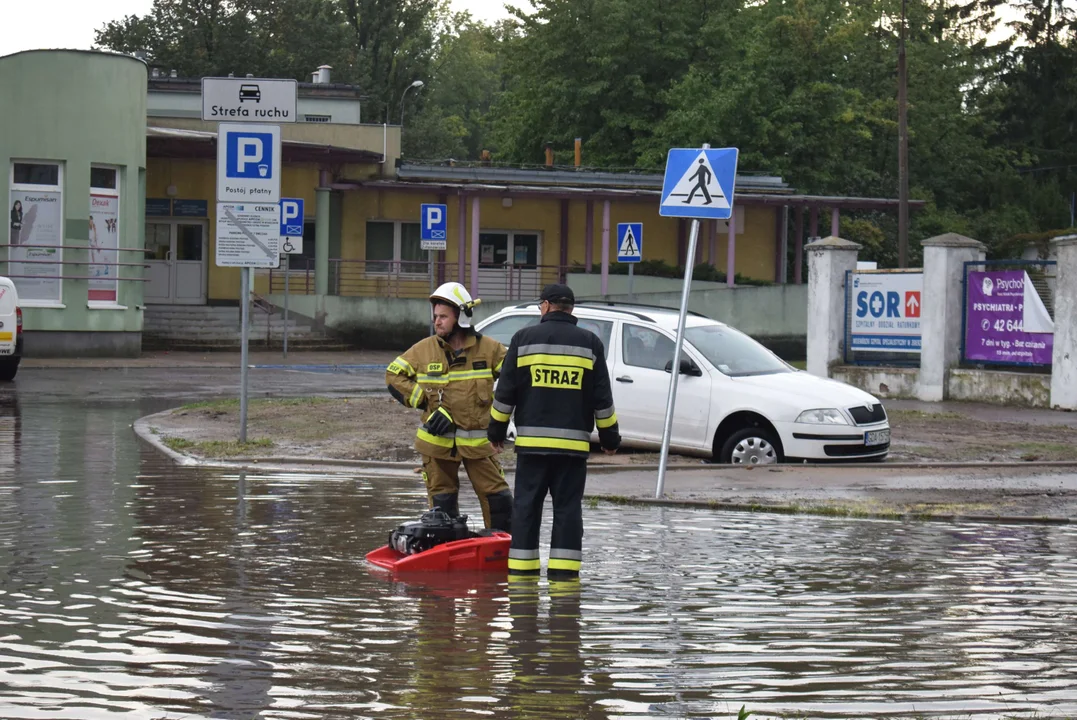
{"x":485,"y":553}
{"x":439,"y":543}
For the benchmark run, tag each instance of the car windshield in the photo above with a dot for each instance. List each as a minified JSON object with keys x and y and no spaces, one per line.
{"x":732,"y":352}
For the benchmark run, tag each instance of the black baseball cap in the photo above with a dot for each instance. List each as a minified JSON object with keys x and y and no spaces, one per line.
{"x":558,"y":294}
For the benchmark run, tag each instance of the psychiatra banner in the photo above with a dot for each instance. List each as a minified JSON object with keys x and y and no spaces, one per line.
{"x":1007,"y":321}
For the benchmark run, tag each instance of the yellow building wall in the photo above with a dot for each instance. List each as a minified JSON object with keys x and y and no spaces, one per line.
{"x":197,"y":180}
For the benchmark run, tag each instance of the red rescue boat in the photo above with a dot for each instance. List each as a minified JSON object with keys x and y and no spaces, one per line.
{"x":487,"y":553}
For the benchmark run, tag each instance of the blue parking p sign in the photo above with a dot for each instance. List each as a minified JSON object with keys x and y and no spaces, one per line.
{"x":434,"y":225}
{"x":248,"y":163}
{"x":291,"y":226}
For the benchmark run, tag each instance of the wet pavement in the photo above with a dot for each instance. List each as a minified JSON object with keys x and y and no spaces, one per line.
{"x":130,"y":588}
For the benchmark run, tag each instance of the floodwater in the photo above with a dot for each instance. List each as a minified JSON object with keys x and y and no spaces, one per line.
{"x":130,"y":588}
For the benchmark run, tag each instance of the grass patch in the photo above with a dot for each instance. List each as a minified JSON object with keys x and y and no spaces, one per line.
{"x":1046,"y":450}
{"x":799,"y":364}
{"x":217,"y":448}
{"x":233,"y":403}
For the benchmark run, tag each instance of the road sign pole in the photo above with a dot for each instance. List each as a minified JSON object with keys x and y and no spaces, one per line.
{"x":631,"y":277}
{"x":245,"y":315}
{"x":287,"y":268}
{"x":675,"y":369}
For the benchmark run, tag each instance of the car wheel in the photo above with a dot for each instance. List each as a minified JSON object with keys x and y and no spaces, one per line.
{"x":8,"y":368}
{"x":751,"y":446}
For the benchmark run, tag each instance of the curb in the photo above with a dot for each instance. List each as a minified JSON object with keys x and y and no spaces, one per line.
{"x":829,"y":512}
{"x":596,"y":469}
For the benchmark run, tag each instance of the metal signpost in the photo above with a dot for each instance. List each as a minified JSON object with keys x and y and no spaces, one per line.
{"x":291,"y":243}
{"x":248,"y":184}
{"x":698,"y":184}
{"x":630,"y":248}
{"x":434,"y":227}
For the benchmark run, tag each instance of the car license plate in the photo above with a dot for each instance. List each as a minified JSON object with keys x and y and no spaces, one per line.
{"x":876,"y":437}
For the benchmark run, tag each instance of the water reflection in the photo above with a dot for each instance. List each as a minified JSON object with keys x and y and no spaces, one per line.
{"x":133,"y":589}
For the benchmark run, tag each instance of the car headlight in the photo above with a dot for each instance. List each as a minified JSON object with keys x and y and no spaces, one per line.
{"x":822,"y":416}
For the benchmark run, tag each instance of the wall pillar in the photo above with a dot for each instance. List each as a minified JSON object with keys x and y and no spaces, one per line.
{"x":589,"y":237}
{"x":321,"y":240}
{"x":474,"y":286}
{"x":828,"y":261}
{"x":461,"y":237}
{"x":798,"y":231}
{"x":605,"y":246}
{"x":731,"y":248}
{"x":940,"y":314}
{"x":1064,"y":359}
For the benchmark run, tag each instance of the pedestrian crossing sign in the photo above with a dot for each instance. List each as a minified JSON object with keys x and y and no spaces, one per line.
{"x":629,"y":242}
{"x":699,"y":183}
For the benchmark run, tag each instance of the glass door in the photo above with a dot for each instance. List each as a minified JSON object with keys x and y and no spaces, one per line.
{"x":176,"y":256}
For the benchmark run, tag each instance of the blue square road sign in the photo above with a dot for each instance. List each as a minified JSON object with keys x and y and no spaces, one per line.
{"x":699,"y":183}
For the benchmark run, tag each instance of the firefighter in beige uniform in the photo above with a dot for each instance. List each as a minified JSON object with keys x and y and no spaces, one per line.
{"x":450,"y":377}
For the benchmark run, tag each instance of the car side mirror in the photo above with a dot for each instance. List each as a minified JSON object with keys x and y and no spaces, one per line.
{"x":687,"y":368}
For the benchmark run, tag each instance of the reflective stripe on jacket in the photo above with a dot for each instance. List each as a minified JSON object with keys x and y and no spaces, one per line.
{"x":431,"y":375}
{"x":556,"y":382}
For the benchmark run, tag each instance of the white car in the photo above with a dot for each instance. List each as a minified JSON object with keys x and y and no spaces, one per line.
{"x":736,"y":400}
{"x":10,"y":330}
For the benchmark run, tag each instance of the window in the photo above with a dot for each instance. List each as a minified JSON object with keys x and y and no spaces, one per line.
{"x":104,"y":237}
{"x":37,"y":174}
{"x":395,"y":247}
{"x":734,"y":353}
{"x":646,"y":348}
{"x":36,"y":231}
{"x":502,"y":330}
{"x":602,"y":328}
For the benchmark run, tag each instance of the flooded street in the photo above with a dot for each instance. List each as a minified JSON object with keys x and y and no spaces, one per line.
{"x":130,"y":588}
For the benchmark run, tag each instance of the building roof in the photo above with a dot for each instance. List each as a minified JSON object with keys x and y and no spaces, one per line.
{"x":173,"y":142}
{"x":164,"y":83}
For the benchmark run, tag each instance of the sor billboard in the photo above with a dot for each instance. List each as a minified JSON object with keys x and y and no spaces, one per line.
{"x":1006,"y":321}
{"x":885,"y":313}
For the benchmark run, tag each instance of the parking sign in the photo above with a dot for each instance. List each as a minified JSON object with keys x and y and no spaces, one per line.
{"x":248,"y":163}
{"x":433,"y":226}
{"x":291,"y":226}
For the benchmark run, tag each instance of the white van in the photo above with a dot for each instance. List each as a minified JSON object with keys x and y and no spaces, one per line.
{"x":10,"y":330}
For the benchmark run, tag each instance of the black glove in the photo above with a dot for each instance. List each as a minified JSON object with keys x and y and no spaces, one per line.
{"x":609,"y":438}
{"x":440,"y":422}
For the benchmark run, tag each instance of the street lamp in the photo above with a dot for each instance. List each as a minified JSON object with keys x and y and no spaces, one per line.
{"x":416,"y":84}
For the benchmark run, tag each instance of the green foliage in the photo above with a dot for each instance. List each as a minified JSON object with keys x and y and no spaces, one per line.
{"x":806,"y":90}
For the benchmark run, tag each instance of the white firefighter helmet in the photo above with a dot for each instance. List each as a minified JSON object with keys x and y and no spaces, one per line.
{"x":456,"y":295}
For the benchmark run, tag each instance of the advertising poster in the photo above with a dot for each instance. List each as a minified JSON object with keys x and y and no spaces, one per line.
{"x":104,"y":239}
{"x":37,"y":236}
{"x":1007,"y":321}
{"x":885,"y":313}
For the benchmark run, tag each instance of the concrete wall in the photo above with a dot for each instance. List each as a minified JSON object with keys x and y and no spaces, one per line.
{"x":375,"y":323}
{"x":775,"y":315}
{"x":78,"y":108}
{"x":882,"y":382}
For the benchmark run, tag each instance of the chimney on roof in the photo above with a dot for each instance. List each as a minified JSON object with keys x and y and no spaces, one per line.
{"x":155,"y":72}
{"x":579,"y":151}
{"x":321,"y":75}
{"x":549,"y":155}
{"x":173,"y":74}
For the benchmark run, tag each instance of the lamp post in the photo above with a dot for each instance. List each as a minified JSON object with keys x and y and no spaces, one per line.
{"x":416,"y":84}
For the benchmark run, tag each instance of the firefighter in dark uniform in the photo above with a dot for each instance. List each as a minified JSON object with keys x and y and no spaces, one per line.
{"x":450,"y":377}
{"x":556,"y":382}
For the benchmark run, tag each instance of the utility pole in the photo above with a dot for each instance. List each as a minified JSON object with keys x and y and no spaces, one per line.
{"x":903,"y":148}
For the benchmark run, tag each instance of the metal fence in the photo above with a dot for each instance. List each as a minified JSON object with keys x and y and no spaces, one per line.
{"x":993,"y":313}
{"x":909,"y":357}
{"x":405,"y":279}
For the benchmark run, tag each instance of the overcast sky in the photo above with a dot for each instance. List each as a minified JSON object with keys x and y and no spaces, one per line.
{"x":28,"y":25}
